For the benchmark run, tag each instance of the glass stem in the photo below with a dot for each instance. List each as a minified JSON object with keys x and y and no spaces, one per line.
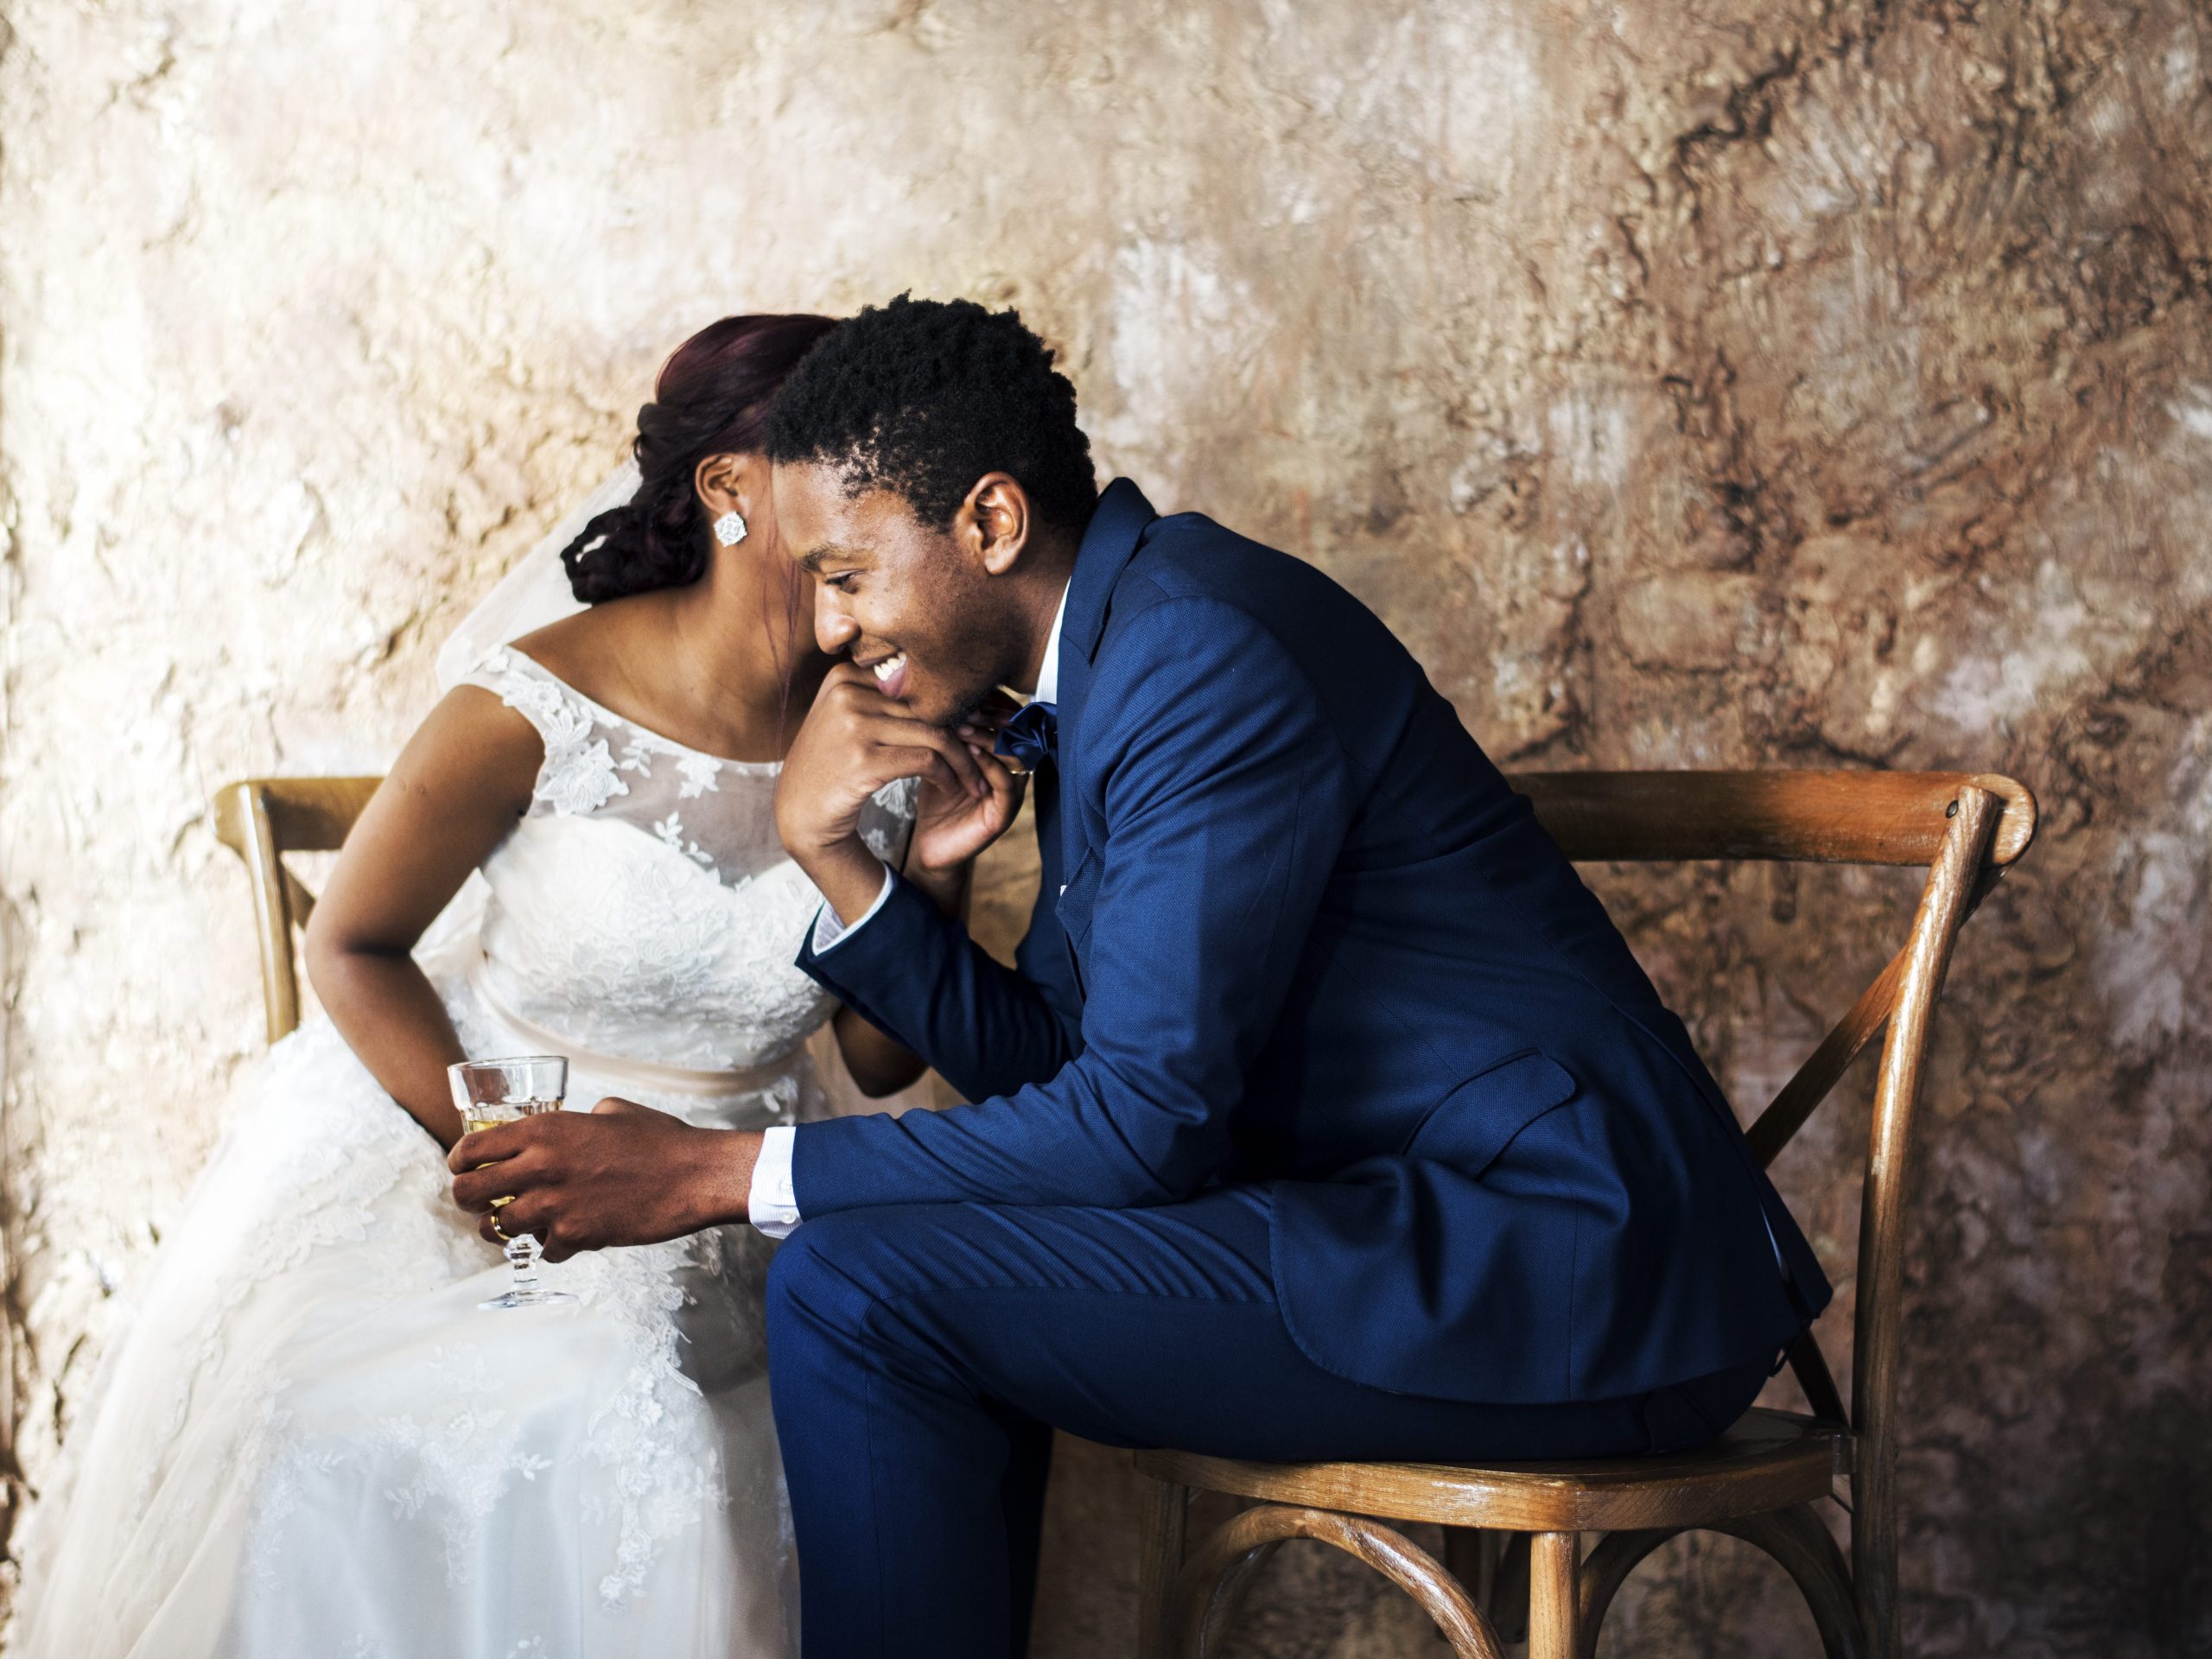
{"x":522,"y":1257}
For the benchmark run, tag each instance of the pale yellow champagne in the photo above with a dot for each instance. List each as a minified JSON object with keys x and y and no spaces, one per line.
{"x":508,"y":1111}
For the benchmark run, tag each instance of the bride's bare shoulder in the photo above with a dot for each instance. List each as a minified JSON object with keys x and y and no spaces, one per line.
{"x":584,"y":649}
{"x":473,"y":738}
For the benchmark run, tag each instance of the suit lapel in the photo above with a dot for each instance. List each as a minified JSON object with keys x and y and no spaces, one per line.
{"x":1110,"y":542}
{"x":1075,"y":681}
{"x":1044,"y":802}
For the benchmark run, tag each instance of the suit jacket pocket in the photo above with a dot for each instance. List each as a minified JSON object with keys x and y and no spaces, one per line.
{"x":1477,"y":1121}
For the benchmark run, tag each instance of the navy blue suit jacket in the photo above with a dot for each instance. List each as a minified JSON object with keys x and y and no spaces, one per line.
{"x":1295,"y":928}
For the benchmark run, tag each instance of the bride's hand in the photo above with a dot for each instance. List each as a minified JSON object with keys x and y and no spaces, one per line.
{"x":620,"y":1173}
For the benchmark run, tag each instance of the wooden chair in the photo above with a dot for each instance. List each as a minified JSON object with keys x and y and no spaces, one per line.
{"x":1761,"y":1479}
{"x":261,"y":820}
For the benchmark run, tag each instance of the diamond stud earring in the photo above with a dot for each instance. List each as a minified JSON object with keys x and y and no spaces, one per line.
{"x":729,"y":530}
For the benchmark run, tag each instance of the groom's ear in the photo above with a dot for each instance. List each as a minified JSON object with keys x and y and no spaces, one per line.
{"x":993,"y":522}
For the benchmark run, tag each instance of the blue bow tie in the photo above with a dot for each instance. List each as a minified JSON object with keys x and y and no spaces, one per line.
{"x":1032,"y":736}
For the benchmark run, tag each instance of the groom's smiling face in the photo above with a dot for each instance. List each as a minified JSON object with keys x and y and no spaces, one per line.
{"x":918,"y":605}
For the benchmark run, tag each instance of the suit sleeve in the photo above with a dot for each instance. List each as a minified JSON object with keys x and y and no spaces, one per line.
{"x":913,"y":973}
{"x":1226,"y":797}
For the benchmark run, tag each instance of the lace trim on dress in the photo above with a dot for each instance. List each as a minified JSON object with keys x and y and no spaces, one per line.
{"x":579,"y":772}
{"x":657,"y":1493}
{"x":600,"y":764}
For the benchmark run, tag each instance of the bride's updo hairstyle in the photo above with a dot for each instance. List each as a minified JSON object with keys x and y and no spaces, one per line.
{"x":711,"y":399}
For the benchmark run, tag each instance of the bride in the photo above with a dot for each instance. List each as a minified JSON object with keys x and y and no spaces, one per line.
{"x":313,"y":1441}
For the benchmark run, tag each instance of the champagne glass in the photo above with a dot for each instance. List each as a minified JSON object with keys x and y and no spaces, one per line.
{"x":488,"y":1093}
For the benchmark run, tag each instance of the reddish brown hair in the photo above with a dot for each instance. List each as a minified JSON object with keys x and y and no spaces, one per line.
{"x":712,"y":398}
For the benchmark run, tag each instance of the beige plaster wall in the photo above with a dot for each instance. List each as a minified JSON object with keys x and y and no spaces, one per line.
{"x":1691,"y":382}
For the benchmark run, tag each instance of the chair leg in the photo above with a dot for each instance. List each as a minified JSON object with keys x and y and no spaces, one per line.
{"x":1471,"y":1556}
{"x":1165,"y":1532}
{"x":1494,"y":1566}
{"x":1874,"y":1559}
{"x":1510,"y":1612}
{"x":1555,"y":1558}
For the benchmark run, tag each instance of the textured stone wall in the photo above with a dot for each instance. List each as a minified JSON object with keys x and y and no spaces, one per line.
{"x":1691,"y":382}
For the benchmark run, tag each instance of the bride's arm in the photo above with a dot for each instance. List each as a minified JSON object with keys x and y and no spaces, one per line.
{"x":881,"y":1066}
{"x":458,"y":788}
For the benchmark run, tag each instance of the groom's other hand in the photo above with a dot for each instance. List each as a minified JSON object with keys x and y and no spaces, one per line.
{"x":620,"y":1173}
{"x":855,"y":741}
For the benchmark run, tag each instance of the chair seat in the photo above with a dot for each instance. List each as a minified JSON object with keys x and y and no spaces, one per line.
{"x":1766,"y":1460}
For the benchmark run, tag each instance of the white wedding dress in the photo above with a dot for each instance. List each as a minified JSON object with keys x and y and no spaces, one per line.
{"x":313,"y":1444}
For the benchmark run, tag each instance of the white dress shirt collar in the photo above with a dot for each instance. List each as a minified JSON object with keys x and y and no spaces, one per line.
{"x":1048,"y":673}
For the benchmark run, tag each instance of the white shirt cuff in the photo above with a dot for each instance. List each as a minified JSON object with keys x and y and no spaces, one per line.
{"x":829,"y":930}
{"x":771,"y":1205}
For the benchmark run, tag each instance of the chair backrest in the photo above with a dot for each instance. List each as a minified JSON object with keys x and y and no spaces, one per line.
{"x":1963,"y":830}
{"x":261,"y":820}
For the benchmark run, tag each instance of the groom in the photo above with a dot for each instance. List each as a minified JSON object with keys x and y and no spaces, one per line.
{"x":1324,"y":1114}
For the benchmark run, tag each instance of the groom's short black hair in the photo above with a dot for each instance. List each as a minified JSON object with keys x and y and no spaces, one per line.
{"x":923,"y":397}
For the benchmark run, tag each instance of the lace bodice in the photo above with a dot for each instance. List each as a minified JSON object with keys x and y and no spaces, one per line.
{"x":643,"y":907}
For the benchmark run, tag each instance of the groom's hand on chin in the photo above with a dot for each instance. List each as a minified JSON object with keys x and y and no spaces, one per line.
{"x":856,"y":740}
{"x":620,"y":1173}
